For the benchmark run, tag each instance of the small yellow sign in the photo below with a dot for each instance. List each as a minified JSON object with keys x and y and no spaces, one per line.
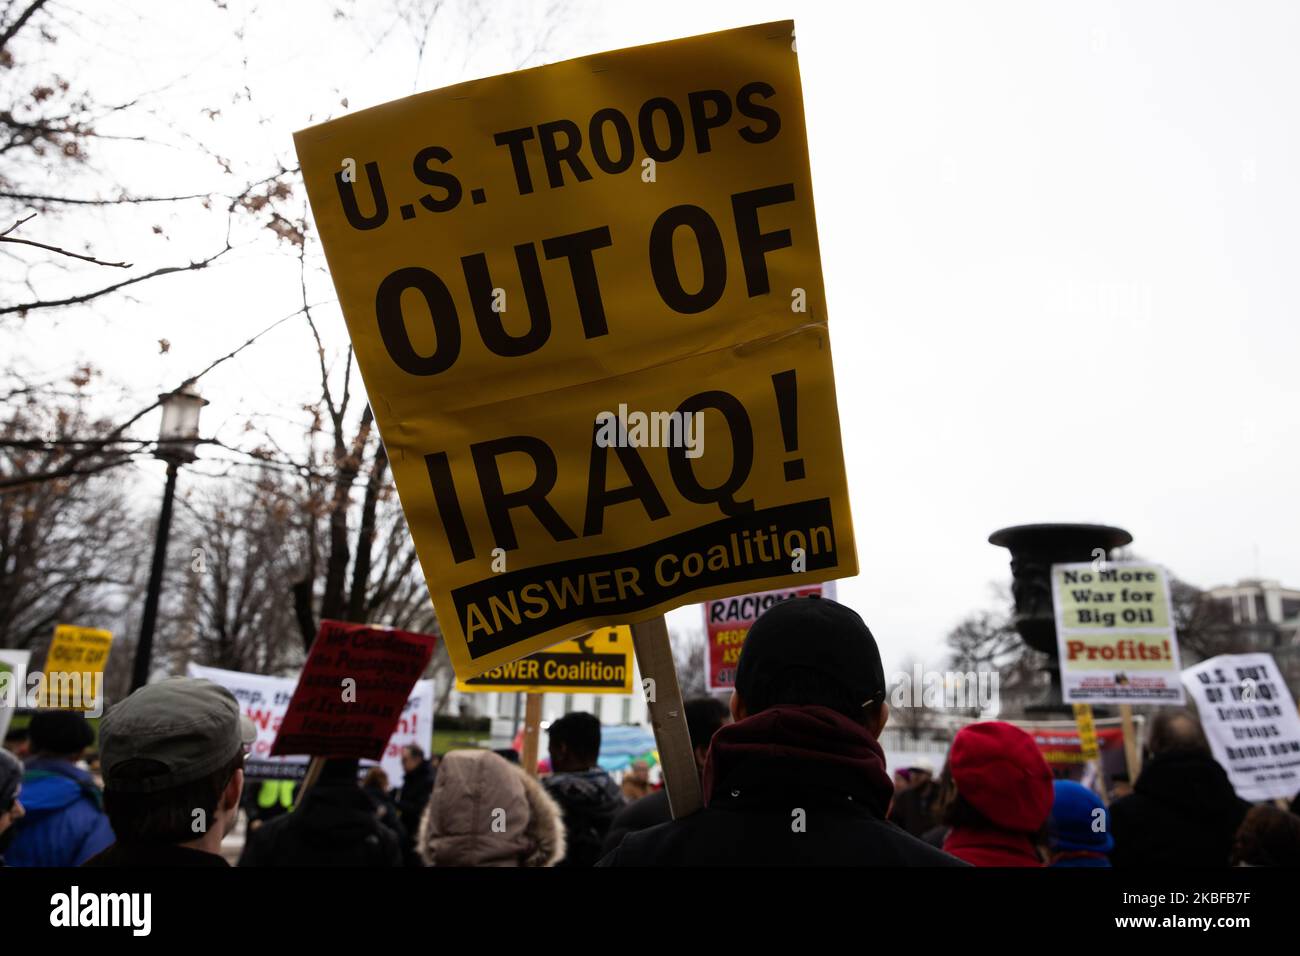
{"x":1087,"y":732}
{"x":74,"y":667}
{"x":83,"y":649}
{"x":597,"y":663}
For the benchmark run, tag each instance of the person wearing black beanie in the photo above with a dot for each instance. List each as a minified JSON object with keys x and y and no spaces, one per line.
{"x":799,"y":777}
{"x":63,"y":733}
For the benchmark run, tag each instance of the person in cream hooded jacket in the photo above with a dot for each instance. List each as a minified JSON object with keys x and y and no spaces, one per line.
{"x":484,"y":811}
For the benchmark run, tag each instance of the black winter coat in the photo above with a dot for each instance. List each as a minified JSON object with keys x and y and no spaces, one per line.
{"x":1182,"y":812}
{"x":413,"y":796}
{"x":789,"y":786}
{"x":651,"y":810}
{"x":336,"y":825}
{"x":590,"y":799}
{"x":153,"y":855}
{"x":391,"y":817}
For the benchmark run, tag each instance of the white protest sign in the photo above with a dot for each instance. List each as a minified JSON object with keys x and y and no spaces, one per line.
{"x":1115,"y":633}
{"x":265,"y":700}
{"x":1250,"y":719}
{"x":13,"y":683}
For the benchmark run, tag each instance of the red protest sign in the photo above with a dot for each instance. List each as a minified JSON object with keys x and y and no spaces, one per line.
{"x":1060,"y":745}
{"x":728,"y":620}
{"x":352,"y":690}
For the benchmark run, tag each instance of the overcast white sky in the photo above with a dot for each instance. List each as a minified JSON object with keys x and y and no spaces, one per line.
{"x":1059,"y":244}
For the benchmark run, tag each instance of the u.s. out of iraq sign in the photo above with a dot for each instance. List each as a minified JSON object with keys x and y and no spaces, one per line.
{"x":587,"y":303}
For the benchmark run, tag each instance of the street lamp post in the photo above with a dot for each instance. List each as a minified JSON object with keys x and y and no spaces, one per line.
{"x":178,"y":436}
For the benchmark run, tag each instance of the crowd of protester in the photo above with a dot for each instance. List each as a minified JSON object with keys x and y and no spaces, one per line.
{"x":792,"y":773}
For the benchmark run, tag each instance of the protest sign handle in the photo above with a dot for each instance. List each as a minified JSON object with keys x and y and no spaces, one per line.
{"x":1132,"y":756}
{"x":654,"y":656}
{"x":532,"y":731}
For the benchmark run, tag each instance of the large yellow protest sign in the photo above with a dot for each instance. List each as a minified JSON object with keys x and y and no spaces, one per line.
{"x":596,"y":663}
{"x":587,"y":303}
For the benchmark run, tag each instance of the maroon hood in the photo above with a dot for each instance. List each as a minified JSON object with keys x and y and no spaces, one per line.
{"x":800,"y":747}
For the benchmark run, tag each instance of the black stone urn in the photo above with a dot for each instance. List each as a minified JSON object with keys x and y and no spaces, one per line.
{"x":1034,"y":549}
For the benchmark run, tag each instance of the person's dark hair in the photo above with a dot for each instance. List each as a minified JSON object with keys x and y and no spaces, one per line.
{"x":1267,"y":837}
{"x":952,"y":808}
{"x":804,"y":687}
{"x":955,"y":811}
{"x":340,"y":772}
{"x":1176,"y":730}
{"x":509,"y":754}
{"x":414,"y":750}
{"x":61,"y":732}
{"x":704,"y":715}
{"x":958,"y":813}
{"x":580,"y":732}
{"x":164,"y":816}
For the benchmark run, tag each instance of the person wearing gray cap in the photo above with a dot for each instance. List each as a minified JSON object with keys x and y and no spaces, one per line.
{"x":172,"y":755}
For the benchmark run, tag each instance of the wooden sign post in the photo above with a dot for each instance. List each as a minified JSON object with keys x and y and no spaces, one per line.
{"x":532,"y":731}
{"x":654,"y":656}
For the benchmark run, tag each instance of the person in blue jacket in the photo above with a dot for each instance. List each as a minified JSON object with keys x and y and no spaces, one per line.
{"x":1079,"y":828}
{"x":64,"y":823}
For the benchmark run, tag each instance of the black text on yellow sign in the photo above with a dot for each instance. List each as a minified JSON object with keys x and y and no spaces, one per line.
{"x":524,"y":257}
{"x":78,"y":649}
{"x":596,"y":663}
{"x":1087,"y":732}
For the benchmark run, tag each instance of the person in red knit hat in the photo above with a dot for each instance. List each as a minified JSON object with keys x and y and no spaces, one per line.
{"x":999,"y":796}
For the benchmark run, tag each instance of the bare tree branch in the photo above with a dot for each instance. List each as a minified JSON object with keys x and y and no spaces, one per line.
{"x":119,"y":201}
{"x":12,"y":30}
{"x":74,"y":465}
{"x":5,"y":237}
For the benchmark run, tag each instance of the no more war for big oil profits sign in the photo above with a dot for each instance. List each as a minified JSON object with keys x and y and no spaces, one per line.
{"x":1115,"y":633}
{"x":587,"y":303}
